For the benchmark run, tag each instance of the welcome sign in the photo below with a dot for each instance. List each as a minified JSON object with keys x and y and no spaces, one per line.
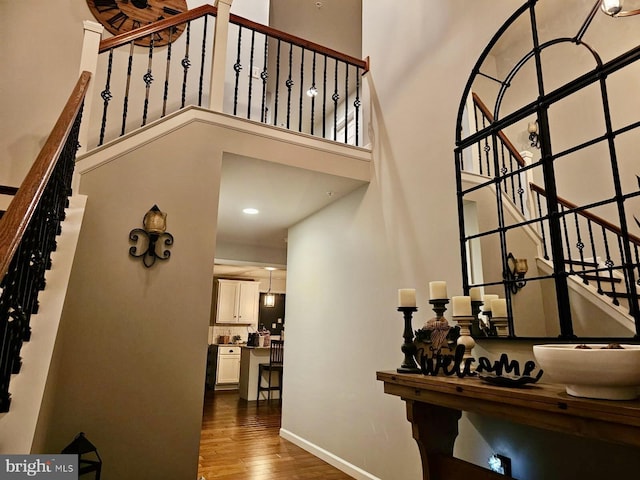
{"x":40,"y":467}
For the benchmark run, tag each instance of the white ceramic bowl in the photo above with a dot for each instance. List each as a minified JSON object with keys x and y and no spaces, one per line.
{"x":612,"y":374}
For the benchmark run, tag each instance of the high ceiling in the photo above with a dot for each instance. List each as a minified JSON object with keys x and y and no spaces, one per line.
{"x":285,"y":195}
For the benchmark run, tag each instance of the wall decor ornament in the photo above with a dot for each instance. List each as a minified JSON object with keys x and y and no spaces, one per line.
{"x":154,"y":228}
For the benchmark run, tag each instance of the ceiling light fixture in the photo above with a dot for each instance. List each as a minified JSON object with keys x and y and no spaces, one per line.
{"x":613,"y":8}
{"x":270,"y":298}
{"x":250,"y":211}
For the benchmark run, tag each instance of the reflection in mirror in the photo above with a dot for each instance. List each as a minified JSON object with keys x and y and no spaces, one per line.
{"x":566,"y":199}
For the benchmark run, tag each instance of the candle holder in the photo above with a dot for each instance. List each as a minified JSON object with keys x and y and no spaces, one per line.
{"x":465,"y":339}
{"x":409,"y":349}
{"x":476,"y":331}
{"x":438,"y":326}
{"x":501,"y":325}
{"x":439,"y":306}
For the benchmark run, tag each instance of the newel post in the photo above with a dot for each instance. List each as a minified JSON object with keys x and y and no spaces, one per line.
{"x":89,"y":63}
{"x":216,"y":92}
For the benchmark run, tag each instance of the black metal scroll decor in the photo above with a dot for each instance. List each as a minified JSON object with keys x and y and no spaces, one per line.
{"x":154,"y":229}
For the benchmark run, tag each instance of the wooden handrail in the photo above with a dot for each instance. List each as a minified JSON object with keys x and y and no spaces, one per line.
{"x":198,"y":12}
{"x":141,"y":32}
{"x":485,"y":111}
{"x":585,"y":213}
{"x":301,"y":42}
{"x":15,"y":221}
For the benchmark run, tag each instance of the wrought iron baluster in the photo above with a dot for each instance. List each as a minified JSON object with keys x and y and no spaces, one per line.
{"x":148,"y":80}
{"x":627,"y":267}
{"x":513,"y":180}
{"x":594,"y":256}
{"x":165,"y":94}
{"x":565,"y":231}
{"x":264,"y":75}
{"x":486,"y":148}
{"x":106,"y":97}
{"x":289,"y":84}
{"x":503,"y":169}
{"x":324,"y":99}
{"x":125,"y":106}
{"x":335,"y":97}
{"x":237,"y":67}
{"x":476,"y":123}
{"x":203,"y":56}
{"x":609,"y":264}
{"x":313,"y":91}
{"x":302,"y":50}
{"x":521,"y":192}
{"x":580,"y":245}
{"x":542,"y":229}
{"x":356,"y":104}
{"x":275,"y":106}
{"x":346,"y":103}
{"x":251,"y":54}
{"x":186,"y":63}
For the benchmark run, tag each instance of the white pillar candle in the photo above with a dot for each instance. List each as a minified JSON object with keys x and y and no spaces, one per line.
{"x":486,"y":299}
{"x":461,"y":306}
{"x":499,"y":308}
{"x":476,"y":294}
{"x":407,"y":297}
{"x":437,"y":290}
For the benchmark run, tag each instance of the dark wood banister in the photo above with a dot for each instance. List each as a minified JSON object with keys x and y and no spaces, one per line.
{"x":127,"y":37}
{"x":301,"y":42}
{"x":15,"y":221}
{"x":198,"y":12}
{"x":487,"y":113}
{"x":585,"y":213}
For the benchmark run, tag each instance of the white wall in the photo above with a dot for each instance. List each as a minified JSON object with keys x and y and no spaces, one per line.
{"x":133,"y":341}
{"x":401,"y":231}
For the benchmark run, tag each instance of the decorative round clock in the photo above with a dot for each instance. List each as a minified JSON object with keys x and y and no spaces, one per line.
{"x":120,"y":16}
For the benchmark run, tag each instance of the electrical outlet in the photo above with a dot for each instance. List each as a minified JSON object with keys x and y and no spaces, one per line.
{"x":500,"y":464}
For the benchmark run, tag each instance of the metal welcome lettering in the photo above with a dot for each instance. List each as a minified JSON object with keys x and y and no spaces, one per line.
{"x":455,"y":364}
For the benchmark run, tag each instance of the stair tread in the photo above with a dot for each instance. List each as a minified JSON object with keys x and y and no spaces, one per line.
{"x":580,"y":262}
{"x":599,"y":277}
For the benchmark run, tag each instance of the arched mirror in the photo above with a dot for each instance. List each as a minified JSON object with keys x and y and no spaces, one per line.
{"x":548,"y":171}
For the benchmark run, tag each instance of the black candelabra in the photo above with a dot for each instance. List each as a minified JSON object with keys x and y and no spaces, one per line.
{"x":409,"y":349}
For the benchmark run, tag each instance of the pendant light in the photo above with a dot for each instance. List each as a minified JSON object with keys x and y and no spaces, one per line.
{"x":269,"y":298}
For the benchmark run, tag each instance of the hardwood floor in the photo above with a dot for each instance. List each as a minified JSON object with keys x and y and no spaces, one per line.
{"x":240,"y":441}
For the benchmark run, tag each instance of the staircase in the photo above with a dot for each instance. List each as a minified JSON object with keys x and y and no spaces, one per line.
{"x":597,"y":253}
{"x":29,"y":234}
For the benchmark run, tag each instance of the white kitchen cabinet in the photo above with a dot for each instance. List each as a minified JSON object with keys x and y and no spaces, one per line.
{"x":237,"y":302}
{"x":228,"y":369}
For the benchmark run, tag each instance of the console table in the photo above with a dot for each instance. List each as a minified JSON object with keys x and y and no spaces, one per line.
{"x":434,"y":405}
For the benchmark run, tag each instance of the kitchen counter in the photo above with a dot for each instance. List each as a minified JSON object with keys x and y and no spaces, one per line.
{"x":250,"y":358}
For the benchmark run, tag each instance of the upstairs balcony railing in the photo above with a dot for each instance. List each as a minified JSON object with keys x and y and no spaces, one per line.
{"x":28,"y":233}
{"x":227,"y":64}
{"x":506,"y":164}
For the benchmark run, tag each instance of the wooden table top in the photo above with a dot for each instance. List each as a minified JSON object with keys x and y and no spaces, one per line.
{"x":543,"y":405}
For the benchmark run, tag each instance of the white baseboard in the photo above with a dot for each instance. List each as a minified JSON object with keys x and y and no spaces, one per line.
{"x":328,"y":457}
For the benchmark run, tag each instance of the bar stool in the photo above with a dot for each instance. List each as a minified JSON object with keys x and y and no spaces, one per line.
{"x":276,"y":357}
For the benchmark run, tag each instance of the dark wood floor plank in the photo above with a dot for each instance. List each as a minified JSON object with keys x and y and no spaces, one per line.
{"x":240,"y":441}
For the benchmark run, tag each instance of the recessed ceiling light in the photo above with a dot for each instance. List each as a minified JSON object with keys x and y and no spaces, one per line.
{"x":251,"y":211}
{"x":271,"y":269}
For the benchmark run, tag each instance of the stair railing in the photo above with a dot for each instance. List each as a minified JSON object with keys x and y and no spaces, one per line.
{"x":277,"y":78}
{"x":507,"y":163}
{"x":28,"y":233}
{"x":594,"y":246}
